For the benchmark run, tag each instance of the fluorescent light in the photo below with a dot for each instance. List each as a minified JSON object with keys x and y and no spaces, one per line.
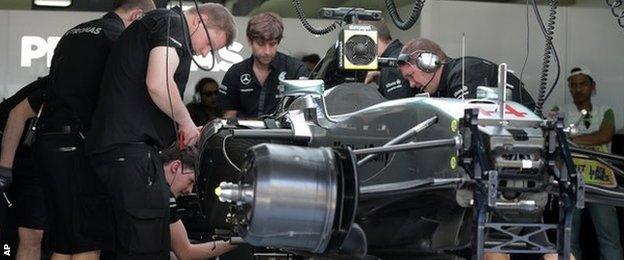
{"x":53,"y":3}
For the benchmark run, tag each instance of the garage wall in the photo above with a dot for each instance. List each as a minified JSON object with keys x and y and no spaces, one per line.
{"x":37,"y":31}
{"x":28,"y":38}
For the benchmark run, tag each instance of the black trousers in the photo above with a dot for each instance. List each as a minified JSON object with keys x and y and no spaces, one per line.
{"x":27,"y":193}
{"x":135,"y":181}
{"x":79,"y":216}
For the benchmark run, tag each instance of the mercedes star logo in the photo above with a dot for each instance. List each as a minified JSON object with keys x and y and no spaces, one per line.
{"x":245,"y":79}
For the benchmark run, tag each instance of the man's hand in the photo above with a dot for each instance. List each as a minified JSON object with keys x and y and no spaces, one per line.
{"x":189,"y":133}
{"x":371,"y":77}
{"x":6,"y":177}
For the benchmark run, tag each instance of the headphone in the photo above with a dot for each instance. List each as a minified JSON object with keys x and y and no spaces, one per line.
{"x":426,"y":61}
{"x":186,"y":33}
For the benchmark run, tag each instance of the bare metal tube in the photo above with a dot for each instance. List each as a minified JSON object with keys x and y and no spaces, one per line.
{"x":404,"y":136}
{"x":409,"y":146}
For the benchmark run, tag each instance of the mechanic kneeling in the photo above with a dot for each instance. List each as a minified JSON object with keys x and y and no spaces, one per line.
{"x":178,"y":166}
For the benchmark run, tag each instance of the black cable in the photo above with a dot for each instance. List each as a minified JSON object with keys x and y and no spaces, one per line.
{"x":614,"y":6}
{"x":308,"y":26}
{"x":413,"y":16}
{"x":186,"y":43}
{"x":428,"y":82}
{"x":185,"y":35}
{"x":528,"y":50}
{"x":551,"y":24}
{"x":212,"y":51}
{"x":543,"y":93}
{"x":175,"y":125}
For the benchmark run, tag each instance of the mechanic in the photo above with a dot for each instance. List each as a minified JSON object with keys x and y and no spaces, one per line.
{"x":26,"y":193}
{"x":249,"y":88}
{"x":204,"y":107}
{"x":595,"y":131}
{"x":391,"y":83}
{"x":443,"y":75}
{"x":71,"y":191}
{"x":139,"y":110}
{"x":427,"y":68}
{"x":179,"y":169}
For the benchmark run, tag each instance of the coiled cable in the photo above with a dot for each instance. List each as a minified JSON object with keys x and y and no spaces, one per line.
{"x":616,"y":7}
{"x":413,"y":16}
{"x":549,"y":52}
{"x":308,"y":26}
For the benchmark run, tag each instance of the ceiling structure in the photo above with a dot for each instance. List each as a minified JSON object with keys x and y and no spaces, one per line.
{"x":244,"y":7}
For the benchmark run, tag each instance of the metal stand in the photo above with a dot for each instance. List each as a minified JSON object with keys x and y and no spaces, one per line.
{"x":487,"y":189}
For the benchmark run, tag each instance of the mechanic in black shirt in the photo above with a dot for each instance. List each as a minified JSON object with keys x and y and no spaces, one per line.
{"x":179,"y":172}
{"x":444,"y":77}
{"x":249,"y":88}
{"x":138,"y":111}
{"x":77,"y":215}
{"x":391,"y":83}
{"x":26,"y":193}
{"x":73,"y":195}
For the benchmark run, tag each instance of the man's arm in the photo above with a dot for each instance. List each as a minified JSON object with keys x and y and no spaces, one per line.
{"x":158,"y":84}
{"x":183,"y":248}
{"x":13,"y":132}
{"x":602,"y":136}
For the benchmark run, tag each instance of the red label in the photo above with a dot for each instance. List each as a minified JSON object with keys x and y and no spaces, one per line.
{"x":509,"y":110}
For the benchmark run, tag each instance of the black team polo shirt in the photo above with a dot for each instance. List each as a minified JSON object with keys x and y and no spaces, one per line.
{"x":391,"y":83}
{"x":241,"y":91}
{"x":479,"y":72}
{"x":76,"y":70}
{"x":125,"y":112}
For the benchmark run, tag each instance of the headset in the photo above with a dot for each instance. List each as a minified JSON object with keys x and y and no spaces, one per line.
{"x":426,"y":61}
{"x":186,"y":44}
{"x":185,"y":34}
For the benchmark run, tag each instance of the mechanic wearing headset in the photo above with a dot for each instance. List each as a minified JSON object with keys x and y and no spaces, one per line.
{"x":427,"y":68}
{"x":139,"y":110}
